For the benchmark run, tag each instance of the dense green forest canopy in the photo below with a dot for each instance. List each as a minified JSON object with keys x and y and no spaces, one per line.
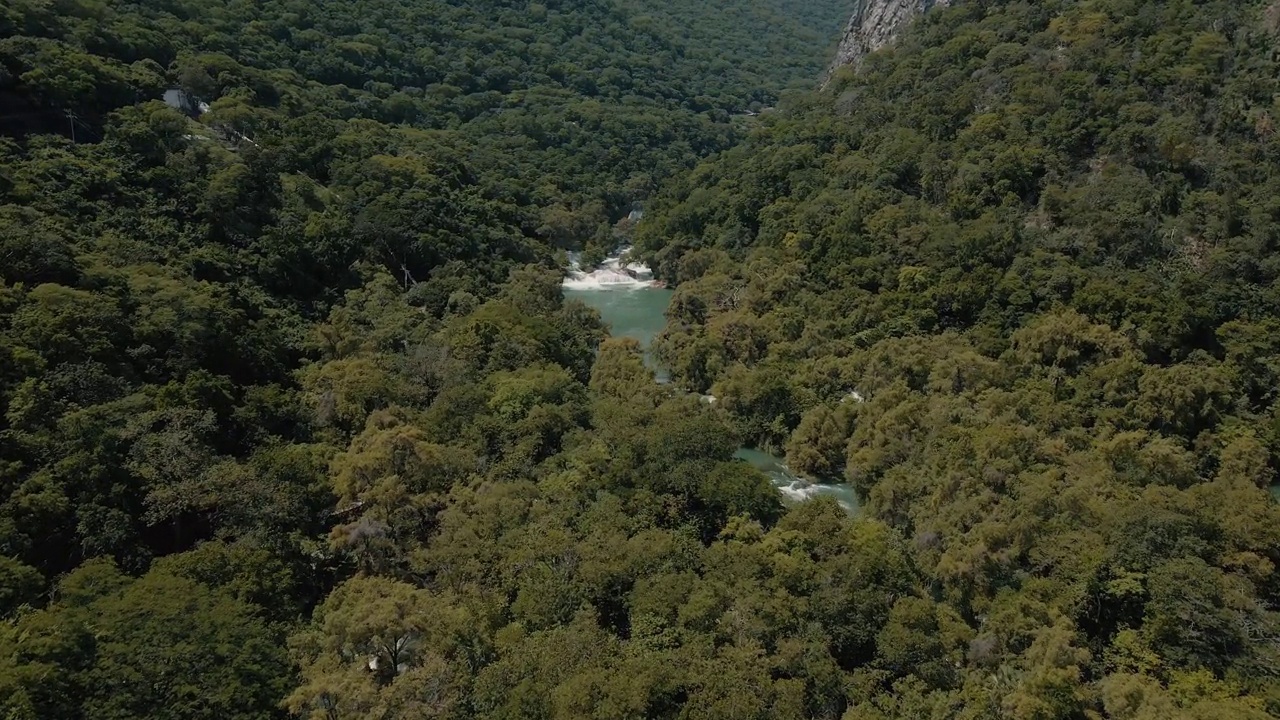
{"x":1016,"y":280}
{"x":296,"y":420}
{"x":570,"y":111}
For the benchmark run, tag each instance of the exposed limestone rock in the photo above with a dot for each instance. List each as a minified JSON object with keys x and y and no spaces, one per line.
{"x":875,"y":24}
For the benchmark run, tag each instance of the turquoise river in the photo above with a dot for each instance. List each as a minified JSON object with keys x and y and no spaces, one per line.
{"x":636,"y":311}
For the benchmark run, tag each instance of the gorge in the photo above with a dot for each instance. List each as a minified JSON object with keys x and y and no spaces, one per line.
{"x":632,"y":304}
{"x":324,"y":426}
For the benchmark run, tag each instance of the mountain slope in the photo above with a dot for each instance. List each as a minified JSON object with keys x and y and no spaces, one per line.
{"x":296,"y":420}
{"x":575,"y":109}
{"x":1015,"y":279}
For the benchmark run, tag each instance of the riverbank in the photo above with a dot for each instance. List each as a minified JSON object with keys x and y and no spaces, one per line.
{"x":634,"y":305}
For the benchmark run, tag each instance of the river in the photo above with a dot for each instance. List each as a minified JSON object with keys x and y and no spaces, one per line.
{"x":633,"y":307}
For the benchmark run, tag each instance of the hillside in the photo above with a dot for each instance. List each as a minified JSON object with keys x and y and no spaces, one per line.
{"x":568,"y":112}
{"x":255,"y":360}
{"x":296,"y":421}
{"x":1015,"y":279}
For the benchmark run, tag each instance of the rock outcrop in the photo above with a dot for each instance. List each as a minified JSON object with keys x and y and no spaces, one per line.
{"x":875,"y":24}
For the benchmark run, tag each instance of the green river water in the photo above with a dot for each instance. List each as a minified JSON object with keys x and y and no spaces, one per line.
{"x":638,"y":313}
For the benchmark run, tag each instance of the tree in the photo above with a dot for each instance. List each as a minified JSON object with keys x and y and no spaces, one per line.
{"x":390,"y":483}
{"x":1187,"y":619}
{"x":377,"y":647}
{"x":817,"y":446}
{"x":19,"y":585}
{"x":160,"y":646}
{"x":620,"y":372}
{"x":922,"y":639}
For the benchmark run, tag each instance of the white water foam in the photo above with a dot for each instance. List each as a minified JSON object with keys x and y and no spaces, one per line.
{"x":797,"y":490}
{"x":800,"y":490}
{"x":793,"y":487}
{"x":612,"y":274}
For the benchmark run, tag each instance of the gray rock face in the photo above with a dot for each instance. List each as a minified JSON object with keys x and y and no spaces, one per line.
{"x":875,"y":24}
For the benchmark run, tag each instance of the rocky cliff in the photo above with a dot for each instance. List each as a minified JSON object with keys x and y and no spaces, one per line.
{"x":875,"y":24}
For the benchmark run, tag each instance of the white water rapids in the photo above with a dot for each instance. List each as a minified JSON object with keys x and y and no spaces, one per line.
{"x":612,"y":274}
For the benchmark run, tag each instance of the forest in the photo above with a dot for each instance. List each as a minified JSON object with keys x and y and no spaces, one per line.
{"x":296,"y":421}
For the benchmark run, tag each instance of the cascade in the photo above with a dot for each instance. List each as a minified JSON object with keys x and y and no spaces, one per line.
{"x":615,"y":273}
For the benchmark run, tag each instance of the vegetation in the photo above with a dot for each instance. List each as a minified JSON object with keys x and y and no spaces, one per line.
{"x":297,"y":422}
{"x":565,"y":113}
{"x":1015,"y":280}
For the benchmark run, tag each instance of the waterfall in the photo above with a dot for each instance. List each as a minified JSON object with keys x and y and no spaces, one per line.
{"x":615,"y":273}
